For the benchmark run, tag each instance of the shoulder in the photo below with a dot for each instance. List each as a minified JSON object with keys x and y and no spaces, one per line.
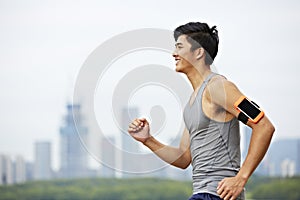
{"x":223,"y":91}
{"x":220,"y":82}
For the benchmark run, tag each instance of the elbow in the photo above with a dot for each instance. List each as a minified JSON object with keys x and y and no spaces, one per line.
{"x":184,"y":160}
{"x":186,"y":163}
{"x":267,"y":126}
{"x":185,"y":166}
{"x":183,"y":163}
{"x":270,"y":129}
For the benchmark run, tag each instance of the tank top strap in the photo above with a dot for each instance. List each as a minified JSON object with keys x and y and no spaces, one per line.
{"x":209,"y":77}
{"x":204,"y":84}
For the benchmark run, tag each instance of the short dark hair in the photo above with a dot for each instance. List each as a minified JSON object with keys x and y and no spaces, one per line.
{"x":200,"y":35}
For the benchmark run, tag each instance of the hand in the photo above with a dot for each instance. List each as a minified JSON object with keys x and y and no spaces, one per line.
{"x":230,"y":188}
{"x":139,"y":129}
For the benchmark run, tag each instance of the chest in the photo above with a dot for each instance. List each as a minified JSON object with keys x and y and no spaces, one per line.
{"x":202,"y":100}
{"x":201,"y":111}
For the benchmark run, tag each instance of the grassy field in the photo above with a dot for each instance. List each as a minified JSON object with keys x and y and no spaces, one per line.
{"x":142,"y":189}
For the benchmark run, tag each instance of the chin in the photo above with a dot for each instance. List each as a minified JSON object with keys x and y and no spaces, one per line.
{"x":178,"y":69}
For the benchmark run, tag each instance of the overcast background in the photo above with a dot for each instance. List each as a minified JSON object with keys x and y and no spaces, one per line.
{"x":43,"y":44}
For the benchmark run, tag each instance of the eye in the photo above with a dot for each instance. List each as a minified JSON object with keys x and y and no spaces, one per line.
{"x":178,"y":46}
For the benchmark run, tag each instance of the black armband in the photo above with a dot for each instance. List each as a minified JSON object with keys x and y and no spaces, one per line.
{"x":243,"y":118}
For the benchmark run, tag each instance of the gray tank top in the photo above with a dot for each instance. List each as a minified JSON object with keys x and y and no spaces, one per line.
{"x":215,"y":146}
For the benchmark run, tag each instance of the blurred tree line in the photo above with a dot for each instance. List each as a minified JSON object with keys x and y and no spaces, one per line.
{"x":273,"y":188}
{"x":103,"y":189}
{"x":140,"y":189}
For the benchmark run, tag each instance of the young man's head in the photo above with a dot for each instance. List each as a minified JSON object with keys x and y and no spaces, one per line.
{"x":201,"y":39}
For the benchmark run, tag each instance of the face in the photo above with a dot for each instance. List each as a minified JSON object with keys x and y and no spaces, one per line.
{"x":183,"y":55}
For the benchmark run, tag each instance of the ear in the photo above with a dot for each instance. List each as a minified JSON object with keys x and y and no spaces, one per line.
{"x":199,"y":53}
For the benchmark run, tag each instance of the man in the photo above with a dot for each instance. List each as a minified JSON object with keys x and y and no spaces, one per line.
{"x":211,"y":141}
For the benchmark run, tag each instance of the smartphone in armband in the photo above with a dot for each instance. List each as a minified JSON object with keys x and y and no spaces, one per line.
{"x":249,"y":109}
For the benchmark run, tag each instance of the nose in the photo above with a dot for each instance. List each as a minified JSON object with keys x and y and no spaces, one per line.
{"x":175,"y":54}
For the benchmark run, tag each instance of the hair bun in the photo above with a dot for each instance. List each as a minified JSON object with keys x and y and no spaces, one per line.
{"x":214,"y":30}
{"x":214,"y":33}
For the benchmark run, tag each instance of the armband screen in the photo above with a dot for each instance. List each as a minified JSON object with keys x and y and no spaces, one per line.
{"x":250,"y":109}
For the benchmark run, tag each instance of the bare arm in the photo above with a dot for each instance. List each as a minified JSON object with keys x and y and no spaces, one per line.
{"x":260,"y":140}
{"x":176,"y":156}
{"x":262,"y":133}
{"x":226,"y":94}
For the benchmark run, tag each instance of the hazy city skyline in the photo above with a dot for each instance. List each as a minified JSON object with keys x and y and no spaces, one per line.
{"x":127,"y":162}
{"x":44,"y":44}
{"x":282,"y":160}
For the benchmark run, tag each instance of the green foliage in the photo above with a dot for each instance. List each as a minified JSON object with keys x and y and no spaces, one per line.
{"x":140,"y":189}
{"x":274,"y":188}
{"x":104,"y":189}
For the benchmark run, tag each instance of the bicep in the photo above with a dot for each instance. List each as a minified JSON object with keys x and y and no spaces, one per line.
{"x":224,"y":93}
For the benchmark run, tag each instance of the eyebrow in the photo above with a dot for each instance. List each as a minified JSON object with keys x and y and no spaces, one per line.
{"x":178,"y":43}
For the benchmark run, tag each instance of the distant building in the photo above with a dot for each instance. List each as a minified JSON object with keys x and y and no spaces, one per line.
{"x":130,"y":147}
{"x":108,"y":157}
{"x":73,"y":156}
{"x":298,"y":157}
{"x":29,"y":167}
{"x":20,"y":170}
{"x":42,"y":162}
{"x":6,"y":170}
{"x":288,"y":168}
{"x":128,"y":143}
{"x":284,"y":157}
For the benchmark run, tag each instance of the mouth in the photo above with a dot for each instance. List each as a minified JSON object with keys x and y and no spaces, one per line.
{"x":177,"y":60}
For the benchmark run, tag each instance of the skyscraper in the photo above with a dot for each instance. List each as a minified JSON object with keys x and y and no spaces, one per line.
{"x":73,"y":156}
{"x":29,"y":167}
{"x":298,"y":157}
{"x":129,"y":145}
{"x":6,"y":170}
{"x":108,"y":157}
{"x":42,"y":163}
{"x":20,"y":170}
{"x":284,"y":157}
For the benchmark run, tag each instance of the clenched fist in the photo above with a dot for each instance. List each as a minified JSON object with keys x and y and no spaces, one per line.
{"x":139,"y":129}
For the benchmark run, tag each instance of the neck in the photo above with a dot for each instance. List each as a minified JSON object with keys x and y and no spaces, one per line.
{"x":198,"y":75}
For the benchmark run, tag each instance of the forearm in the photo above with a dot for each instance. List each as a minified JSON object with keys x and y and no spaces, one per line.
{"x":260,"y":141}
{"x":172,"y":155}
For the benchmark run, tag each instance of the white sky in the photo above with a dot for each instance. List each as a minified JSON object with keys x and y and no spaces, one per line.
{"x":43,"y":44}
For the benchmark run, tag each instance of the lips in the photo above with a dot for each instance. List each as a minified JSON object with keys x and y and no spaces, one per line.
{"x":177,"y":60}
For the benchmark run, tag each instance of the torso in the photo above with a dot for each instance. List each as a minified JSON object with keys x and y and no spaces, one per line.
{"x":214,"y":140}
